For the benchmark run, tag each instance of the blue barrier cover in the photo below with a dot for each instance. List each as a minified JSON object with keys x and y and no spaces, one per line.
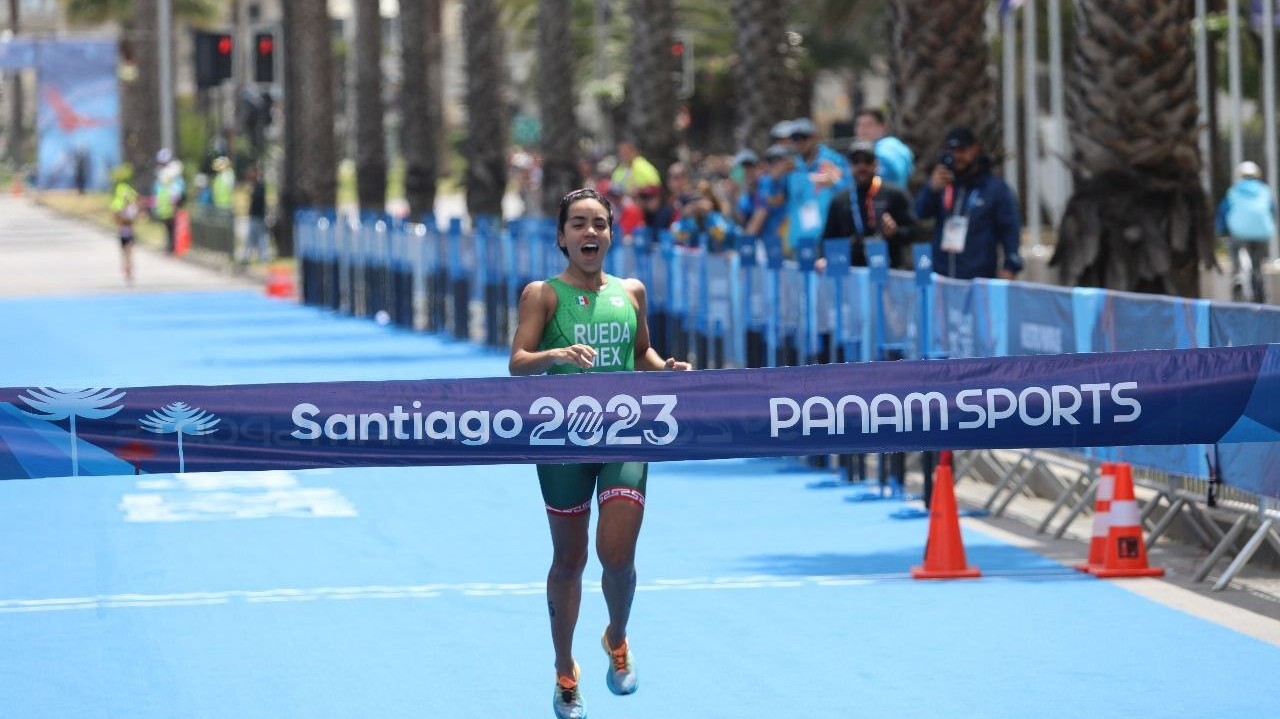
{"x":1155,"y":397}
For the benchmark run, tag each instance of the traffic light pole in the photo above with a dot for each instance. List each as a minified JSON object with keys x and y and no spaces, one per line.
{"x":165,"y":37}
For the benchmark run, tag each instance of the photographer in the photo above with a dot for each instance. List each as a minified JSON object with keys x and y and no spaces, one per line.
{"x":974,"y":212}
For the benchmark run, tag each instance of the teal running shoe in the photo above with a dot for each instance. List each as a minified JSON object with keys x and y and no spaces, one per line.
{"x":567,"y":701}
{"x":621,"y":677}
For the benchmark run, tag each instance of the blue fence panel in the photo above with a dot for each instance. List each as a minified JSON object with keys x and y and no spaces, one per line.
{"x":1041,"y":320}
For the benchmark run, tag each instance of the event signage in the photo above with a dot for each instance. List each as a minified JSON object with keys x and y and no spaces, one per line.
{"x":1081,"y":400}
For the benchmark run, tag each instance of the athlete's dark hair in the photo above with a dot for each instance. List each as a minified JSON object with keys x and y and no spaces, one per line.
{"x":585,"y":193}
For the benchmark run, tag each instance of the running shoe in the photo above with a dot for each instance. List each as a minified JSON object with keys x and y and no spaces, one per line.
{"x":621,"y":677}
{"x":567,"y":701}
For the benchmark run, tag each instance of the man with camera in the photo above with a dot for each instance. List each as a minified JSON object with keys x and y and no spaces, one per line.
{"x":975,"y":213}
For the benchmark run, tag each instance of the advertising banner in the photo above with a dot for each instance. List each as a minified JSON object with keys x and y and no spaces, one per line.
{"x":1164,"y":397}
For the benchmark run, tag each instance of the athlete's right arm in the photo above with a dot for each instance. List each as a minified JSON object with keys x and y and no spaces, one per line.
{"x":537,"y":305}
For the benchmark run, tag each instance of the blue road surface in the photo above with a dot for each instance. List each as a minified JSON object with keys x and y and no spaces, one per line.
{"x":418,"y":592}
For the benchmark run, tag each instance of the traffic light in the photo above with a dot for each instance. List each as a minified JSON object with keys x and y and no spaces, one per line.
{"x":213,"y":58}
{"x":264,"y":57}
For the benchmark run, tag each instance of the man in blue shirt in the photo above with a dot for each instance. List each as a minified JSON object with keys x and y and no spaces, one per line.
{"x":820,"y":173}
{"x":975,"y":213}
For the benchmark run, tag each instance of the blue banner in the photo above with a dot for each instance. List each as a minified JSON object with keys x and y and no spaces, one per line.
{"x":78,"y":114}
{"x":1166,"y":397}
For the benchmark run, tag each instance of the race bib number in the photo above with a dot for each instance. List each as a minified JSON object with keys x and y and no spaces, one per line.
{"x":953,"y":234}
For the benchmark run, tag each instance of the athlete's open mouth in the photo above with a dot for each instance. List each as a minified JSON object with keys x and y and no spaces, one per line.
{"x":590,"y":249}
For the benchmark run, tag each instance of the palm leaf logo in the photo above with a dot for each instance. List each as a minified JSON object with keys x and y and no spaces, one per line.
{"x":179,"y":418}
{"x":53,"y":405}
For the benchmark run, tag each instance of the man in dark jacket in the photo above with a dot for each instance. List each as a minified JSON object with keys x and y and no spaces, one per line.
{"x":884,"y":210}
{"x":975,"y":213}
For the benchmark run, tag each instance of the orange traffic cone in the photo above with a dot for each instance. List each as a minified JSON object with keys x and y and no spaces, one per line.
{"x":280,"y":282}
{"x":16,"y":185}
{"x":944,"y":554}
{"x":1126,"y":552}
{"x":1101,"y":518}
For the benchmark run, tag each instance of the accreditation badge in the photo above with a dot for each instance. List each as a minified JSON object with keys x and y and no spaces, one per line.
{"x":954,"y":232}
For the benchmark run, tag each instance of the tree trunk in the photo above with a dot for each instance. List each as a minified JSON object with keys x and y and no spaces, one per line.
{"x":370,"y":137}
{"x":560,"y":134}
{"x":764,"y":88}
{"x":486,"y":109}
{"x":140,"y":96}
{"x":310,"y":164}
{"x":17,"y":138}
{"x":651,"y":83}
{"x":422,"y":121}
{"x":1139,"y":219}
{"x":941,"y":76}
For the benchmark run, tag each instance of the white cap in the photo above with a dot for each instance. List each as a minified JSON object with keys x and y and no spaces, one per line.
{"x":1249,"y":168}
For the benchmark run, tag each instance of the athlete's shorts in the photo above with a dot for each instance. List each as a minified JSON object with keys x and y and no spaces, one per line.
{"x":567,"y":488}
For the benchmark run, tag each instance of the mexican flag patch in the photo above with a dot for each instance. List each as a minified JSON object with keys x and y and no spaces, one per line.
{"x":583,"y":301}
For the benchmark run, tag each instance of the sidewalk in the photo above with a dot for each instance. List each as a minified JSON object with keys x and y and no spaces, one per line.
{"x":49,"y":254}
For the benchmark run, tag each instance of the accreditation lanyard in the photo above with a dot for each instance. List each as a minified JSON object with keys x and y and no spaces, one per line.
{"x":856,"y":211}
{"x":949,"y":200}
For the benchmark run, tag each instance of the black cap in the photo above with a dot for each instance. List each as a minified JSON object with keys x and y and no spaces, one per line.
{"x":958,"y":137}
{"x":861,"y":148}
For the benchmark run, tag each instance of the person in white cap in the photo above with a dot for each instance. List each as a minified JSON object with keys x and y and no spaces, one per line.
{"x":1246,"y":216}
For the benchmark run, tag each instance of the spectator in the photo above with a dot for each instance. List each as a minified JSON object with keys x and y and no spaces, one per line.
{"x":703,"y":223}
{"x":769,"y":220}
{"x":820,"y":173}
{"x":633,"y":171}
{"x":748,"y":163}
{"x":659,"y":213}
{"x":882,"y":209}
{"x":223,"y":187}
{"x":167,"y":195}
{"x":630,"y":216}
{"x":975,"y":213}
{"x":897,"y":162}
{"x":1246,"y":216}
{"x":256,"y":244}
{"x":780,"y":134}
{"x":678,"y":186}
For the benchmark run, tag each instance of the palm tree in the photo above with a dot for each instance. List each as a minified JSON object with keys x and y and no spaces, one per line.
{"x":181,"y":419}
{"x":764,"y":88}
{"x":557,"y":100}
{"x":651,"y":88}
{"x":486,"y":142}
{"x":421,"y":106}
{"x":53,"y":405}
{"x":16,"y":153}
{"x":310,"y":161}
{"x":940,"y":74}
{"x":1139,"y":219}
{"x":370,"y":137}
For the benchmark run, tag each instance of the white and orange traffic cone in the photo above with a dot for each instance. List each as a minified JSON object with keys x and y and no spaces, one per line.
{"x":1101,"y":518}
{"x":1126,"y":554}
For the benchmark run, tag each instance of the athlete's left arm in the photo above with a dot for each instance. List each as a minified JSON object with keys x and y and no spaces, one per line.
{"x":647,"y":358}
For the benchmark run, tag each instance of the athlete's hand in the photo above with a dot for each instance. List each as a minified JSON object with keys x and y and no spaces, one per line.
{"x":583,"y":356}
{"x":676,"y":366}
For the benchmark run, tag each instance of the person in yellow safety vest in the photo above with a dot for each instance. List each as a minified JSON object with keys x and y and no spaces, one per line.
{"x":167,"y":193}
{"x":224,"y":183}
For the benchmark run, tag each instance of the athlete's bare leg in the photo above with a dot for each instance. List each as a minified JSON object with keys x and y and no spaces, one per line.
{"x":569,"y":537}
{"x":616,"y":537}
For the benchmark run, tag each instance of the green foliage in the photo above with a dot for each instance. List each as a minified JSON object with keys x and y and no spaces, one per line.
{"x":94,"y":12}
